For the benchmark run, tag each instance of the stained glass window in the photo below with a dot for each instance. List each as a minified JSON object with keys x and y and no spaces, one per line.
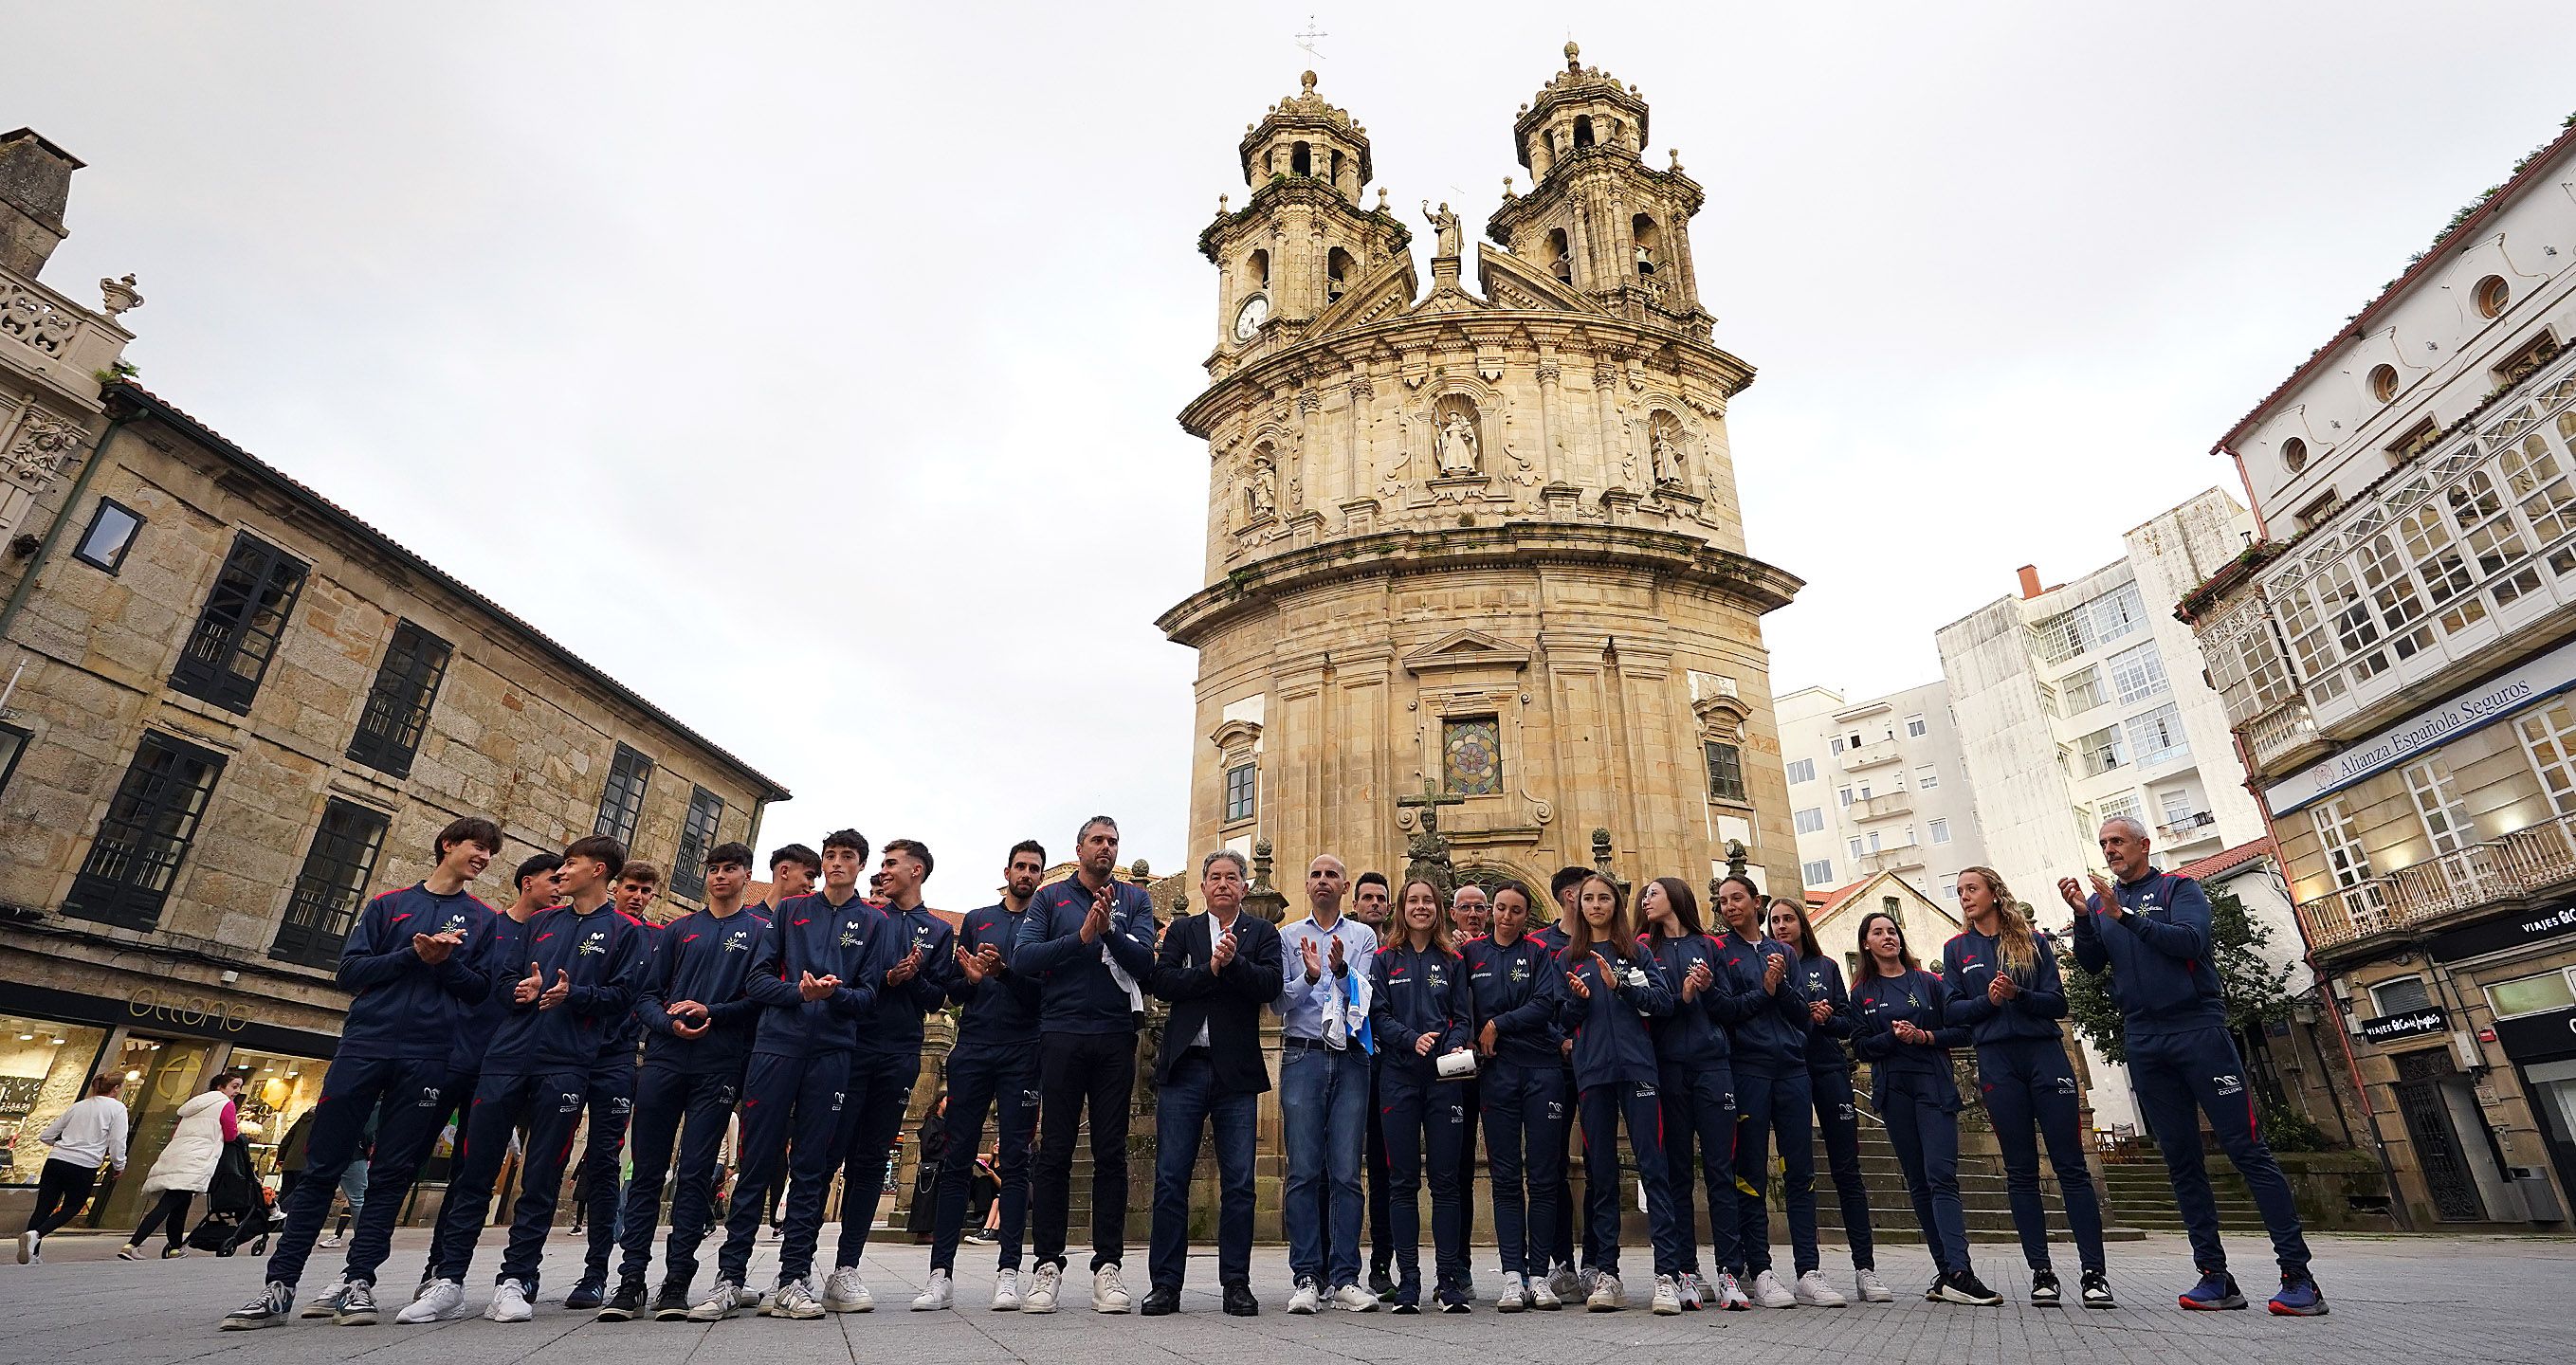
{"x":1472,"y":752}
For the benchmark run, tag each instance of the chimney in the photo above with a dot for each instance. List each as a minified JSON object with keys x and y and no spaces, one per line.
{"x":35,"y":185}
{"x":2030,"y":582}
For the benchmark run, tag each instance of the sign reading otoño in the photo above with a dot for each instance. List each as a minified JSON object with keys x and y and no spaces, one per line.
{"x":2535,"y":681}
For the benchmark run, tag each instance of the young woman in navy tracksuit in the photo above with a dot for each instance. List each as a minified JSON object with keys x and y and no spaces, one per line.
{"x":1768,"y":1050}
{"x":1899,"y":1029}
{"x":1613,"y":986}
{"x":2151,"y":933}
{"x":1697,"y":1085}
{"x":2003,"y":984}
{"x":1516,"y":989}
{"x":1419,"y":1009}
{"x":1829,"y":1081}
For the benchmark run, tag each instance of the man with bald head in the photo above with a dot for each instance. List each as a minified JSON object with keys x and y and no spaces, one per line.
{"x":1324,"y":1092}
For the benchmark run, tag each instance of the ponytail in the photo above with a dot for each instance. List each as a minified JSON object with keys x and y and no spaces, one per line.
{"x":2015,"y":945}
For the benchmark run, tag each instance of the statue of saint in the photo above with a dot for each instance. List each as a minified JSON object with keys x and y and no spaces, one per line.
{"x":1265,"y":490}
{"x":1457,"y":445}
{"x":1667,"y":454}
{"x":1445,"y":224}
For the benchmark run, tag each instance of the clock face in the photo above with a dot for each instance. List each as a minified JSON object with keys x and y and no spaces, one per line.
{"x":1256,"y":311}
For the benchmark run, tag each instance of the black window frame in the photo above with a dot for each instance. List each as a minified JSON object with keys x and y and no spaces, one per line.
{"x":321,"y":910}
{"x":407,"y":683}
{"x":208,"y":667}
{"x":80,"y":548}
{"x":1251,"y":795}
{"x":698,"y":831}
{"x":106,"y":888}
{"x":628,"y":767}
{"x":1725,"y":771}
{"x":9,"y":766}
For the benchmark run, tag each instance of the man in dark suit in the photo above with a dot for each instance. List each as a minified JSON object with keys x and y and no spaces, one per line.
{"x":1219,"y":969}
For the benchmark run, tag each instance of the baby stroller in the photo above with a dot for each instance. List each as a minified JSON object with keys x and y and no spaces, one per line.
{"x":235,"y":1211}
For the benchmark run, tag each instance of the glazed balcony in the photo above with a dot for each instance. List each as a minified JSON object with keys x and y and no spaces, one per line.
{"x":2527,"y":862}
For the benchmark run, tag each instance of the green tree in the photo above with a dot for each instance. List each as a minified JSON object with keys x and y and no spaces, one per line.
{"x":2257,"y":993}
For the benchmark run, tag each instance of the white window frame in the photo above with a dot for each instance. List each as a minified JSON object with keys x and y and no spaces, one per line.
{"x":2446,"y":818}
{"x":1818,"y":873}
{"x":1916,"y":727}
{"x":2548,"y":735}
{"x":2347,"y":862}
{"x":1927,"y":777}
{"x":1801,"y":770}
{"x":1808,"y":819}
{"x":1939,"y":829}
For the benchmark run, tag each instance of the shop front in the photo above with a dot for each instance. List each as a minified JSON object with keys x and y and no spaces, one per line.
{"x":168,"y":1042}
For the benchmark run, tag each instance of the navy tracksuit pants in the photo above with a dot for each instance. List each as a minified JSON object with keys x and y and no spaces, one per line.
{"x":548,"y":1104}
{"x":1699,"y":1119}
{"x":791,"y":1129}
{"x":1381,"y":1227}
{"x":2029,"y":1090}
{"x":2180,"y":1076}
{"x":455,"y":1105}
{"x":1784,"y":1105}
{"x":611,"y":1102}
{"x":1421,"y":1122}
{"x":1924,"y":1130}
{"x":880,"y":1093}
{"x":1604,"y":1107}
{"x":1525,"y":1157}
{"x":1838,"y":1122}
{"x":1006,"y":1082}
{"x":691,"y":1111}
{"x":353,"y":1091}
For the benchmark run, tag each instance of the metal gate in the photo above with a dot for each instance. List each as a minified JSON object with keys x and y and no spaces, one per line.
{"x":2437,"y":1145}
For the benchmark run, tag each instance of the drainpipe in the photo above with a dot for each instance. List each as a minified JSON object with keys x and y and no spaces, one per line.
{"x":54,"y":533}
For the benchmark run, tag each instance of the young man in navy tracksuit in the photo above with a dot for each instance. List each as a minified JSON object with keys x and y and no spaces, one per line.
{"x":994,"y":1065}
{"x":698,"y":1023}
{"x":2151,"y":932}
{"x":816,"y":977}
{"x":585,"y":961}
{"x":1513,"y":983}
{"x":610,"y":1103}
{"x":536,"y":880}
{"x":419,"y":961}
{"x":887,"y":1060}
{"x":1088,"y":940}
{"x":1768,"y":1054}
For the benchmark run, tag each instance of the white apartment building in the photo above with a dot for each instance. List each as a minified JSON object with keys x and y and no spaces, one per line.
{"x":1878,"y":786}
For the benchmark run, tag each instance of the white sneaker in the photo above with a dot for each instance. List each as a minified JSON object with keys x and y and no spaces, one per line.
{"x":845,"y":1292}
{"x":1608,"y":1295}
{"x":1872,"y":1288}
{"x":1728,"y":1292}
{"x":794,"y":1299}
{"x":1304,"y":1300}
{"x":1350,"y":1298}
{"x":1514,"y":1295}
{"x":332,"y":1241}
{"x":27,"y":1247}
{"x":1108,"y":1291}
{"x":327,"y":1302}
{"x":1816,"y":1292}
{"x":1006,"y":1291}
{"x":1688,"y":1286}
{"x":1041,"y":1297}
{"x":441,"y":1300}
{"x":940,"y":1292}
{"x":509,"y":1303}
{"x":1563,"y":1283}
{"x":1668,"y":1296}
{"x":1768,"y":1292}
{"x":726,"y":1299}
{"x":1543,"y":1295}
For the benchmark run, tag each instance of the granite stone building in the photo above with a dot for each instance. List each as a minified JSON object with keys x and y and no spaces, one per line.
{"x":229,"y":712}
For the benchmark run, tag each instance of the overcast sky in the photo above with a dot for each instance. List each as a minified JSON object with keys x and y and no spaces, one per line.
{"x":813,"y":369}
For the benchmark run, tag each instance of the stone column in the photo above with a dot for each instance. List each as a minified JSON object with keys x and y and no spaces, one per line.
{"x":1551,"y":468}
{"x":1356,"y":395}
{"x":1605,"y":377}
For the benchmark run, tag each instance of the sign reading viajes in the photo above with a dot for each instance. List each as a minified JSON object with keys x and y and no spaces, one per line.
{"x":2407,"y":1024}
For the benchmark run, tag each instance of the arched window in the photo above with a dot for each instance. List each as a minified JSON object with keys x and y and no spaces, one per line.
{"x":2383,"y":382}
{"x":1301,"y":160}
{"x":2294,"y":454}
{"x":1560,"y":259}
{"x":1649,"y":242}
{"x":2492,"y":295}
{"x":1582,"y":131}
{"x":1259,"y":268}
{"x":1338,"y":270}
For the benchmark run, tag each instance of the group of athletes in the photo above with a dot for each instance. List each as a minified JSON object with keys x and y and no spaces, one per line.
{"x":1409,"y":1024}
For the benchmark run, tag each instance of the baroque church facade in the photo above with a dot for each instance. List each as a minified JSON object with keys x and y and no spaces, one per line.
{"x":1475,"y":557}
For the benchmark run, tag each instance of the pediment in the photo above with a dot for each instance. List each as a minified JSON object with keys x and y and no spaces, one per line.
{"x":1466,"y":649}
{"x":1520,"y":285}
{"x":1380,"y":296}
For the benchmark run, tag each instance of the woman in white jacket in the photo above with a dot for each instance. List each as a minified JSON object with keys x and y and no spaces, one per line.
{"x":187,"y":1165}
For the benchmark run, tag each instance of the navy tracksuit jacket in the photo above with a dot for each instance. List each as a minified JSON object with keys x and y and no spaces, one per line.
{"x":686,"y":1091}
{"x":994,"y":1066}
{"x":1698,"y":1094}
{"x":1911,"y":1087}
{"x":2027,"y":1084}
{"x":1773,"y":1098}
{"x":1517,"y":988}
{"x":1419,"y":993}
{"x":885,"y":1064}
{"x":1617,"y":1077}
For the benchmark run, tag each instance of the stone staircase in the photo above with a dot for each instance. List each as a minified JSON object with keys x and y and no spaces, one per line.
{"x":2138,"y":1188}
{"x":1981,"y":1193}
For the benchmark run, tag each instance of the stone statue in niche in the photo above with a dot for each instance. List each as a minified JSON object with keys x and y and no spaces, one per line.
{"x":1445,"y":224}
{"x":1457,"y":444}
{"x":1263,"y":495}
{"x":1665,"y":447}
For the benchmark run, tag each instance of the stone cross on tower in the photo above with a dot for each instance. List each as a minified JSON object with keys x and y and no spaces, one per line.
{"x":1430,"y":802}
{"x":1429,"y":853}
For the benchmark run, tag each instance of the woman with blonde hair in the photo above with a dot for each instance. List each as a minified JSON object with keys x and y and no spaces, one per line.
{"x":2004,"y":986}
{"x":1613,"y":986}
{"x":1421,"y":1010}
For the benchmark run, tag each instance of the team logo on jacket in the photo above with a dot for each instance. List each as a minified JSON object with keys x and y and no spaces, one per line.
{"x":1519,"y":973}
{"x":455,"y":925}
{"x":851,"y":937}
{"x":1434,"y":971}
{"x":2228,"y":1085}
{"x":739,"y":943}
{"x":596,"y":943}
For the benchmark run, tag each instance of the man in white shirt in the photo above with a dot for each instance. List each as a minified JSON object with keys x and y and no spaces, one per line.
{"x":88,"y":1135}
{"x":1324,"y":1092}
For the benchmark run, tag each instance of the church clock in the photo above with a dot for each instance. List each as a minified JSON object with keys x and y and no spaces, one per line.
{"x":1247,"y":323}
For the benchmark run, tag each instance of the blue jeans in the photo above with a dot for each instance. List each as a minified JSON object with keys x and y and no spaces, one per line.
{"x":1005,"y":1081}
{"x":1525,"y":1153}
{"x":693,"y":1112}
{"x":2181,"y":1076}
{"x":1699,"y":1120}
{"x":402,"y":1096}
{"x":1765,"y":1105}
{"x":1190,"y":1103}
{"x":2030,"y":1093}
{"x":1324,"y":1106}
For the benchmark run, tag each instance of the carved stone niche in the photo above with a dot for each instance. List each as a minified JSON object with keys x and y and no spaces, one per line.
{"x":1470,"y":692}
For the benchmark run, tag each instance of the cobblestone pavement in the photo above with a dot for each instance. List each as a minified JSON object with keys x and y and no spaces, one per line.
{"x":2395,"y":1299}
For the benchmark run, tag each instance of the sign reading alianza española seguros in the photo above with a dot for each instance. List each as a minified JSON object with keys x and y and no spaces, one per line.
{"x":2533,"y":682}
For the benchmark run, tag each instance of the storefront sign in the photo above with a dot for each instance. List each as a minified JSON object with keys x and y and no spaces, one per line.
{"x":2504,"y":933}
{"x":2538,"y":1037}
{"x":2535,"y":681}
{"x":2388,"y":1028}
{"x":195,"y":1011}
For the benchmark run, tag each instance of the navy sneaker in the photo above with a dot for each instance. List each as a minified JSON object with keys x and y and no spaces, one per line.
{"x":2299,"y":1298}
{"x":2216,"y":1290}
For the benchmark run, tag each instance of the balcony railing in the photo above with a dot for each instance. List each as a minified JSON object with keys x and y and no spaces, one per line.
{"x":53,"y":336}
{"x":2523,"y":863}
{"x":2190,"y":828}
{"x":1872,"y":755}
{"x":1886,"y":807}
{"x":2280,"y":730}
{"x":1895,"y":858}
